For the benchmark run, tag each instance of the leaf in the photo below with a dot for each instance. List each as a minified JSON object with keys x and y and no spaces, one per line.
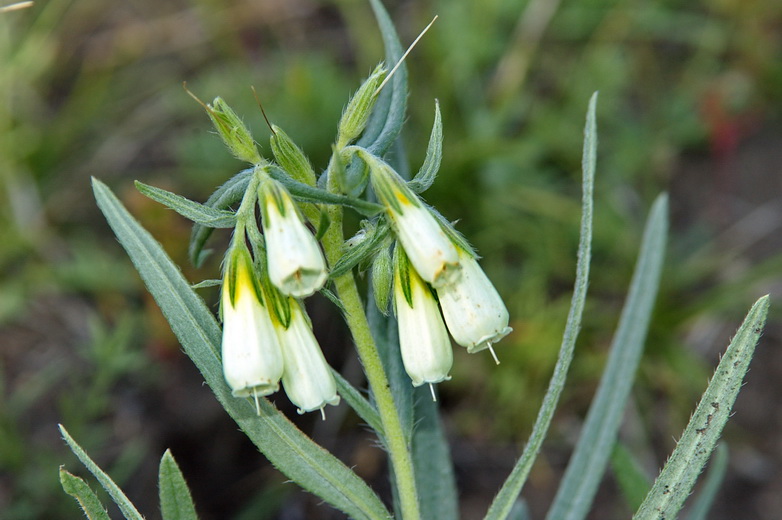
{"x":434,"y":475}
{"x":86,"y":498}
{"x":711,"y":485}
{"x":434,"y":153}
{"x":507,"y":498}
{"x":359,"y":403}
{"x":632,"y":480}
{"x":286,"y":447}
{"x":125,"y":506}
{"x":305,"y":193}
{"x":176,"y":503}
{"x":676,"y":480}
{"x":386,"y":120}
{"x":226,"y":195}
{"x":575,"y":494}
{"x":199,"y":213}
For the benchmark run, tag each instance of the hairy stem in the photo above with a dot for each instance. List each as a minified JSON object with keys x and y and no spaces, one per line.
{"x":356,"y":318}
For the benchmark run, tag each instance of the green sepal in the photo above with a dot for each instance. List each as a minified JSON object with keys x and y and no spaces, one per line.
{"x":279,"y":303}
{"x":176,"y":503}
{"x":198,"y":213}
{"x":356,"y":114}
{"x":402,"y":273}
{"x":356,"y":251}
{"x":434,"y":154}
{"x":290,"y":157}
{"x":304,"y":193}
{"x":204,"y":284}
{"x":323,"y":224}
{"x":272,"y":191}
{"x":382,"y":279}
{"x":224,"y":197}
{"x":233,"y":131}
{"x":457,"y":238}
{"x":86,"y":497}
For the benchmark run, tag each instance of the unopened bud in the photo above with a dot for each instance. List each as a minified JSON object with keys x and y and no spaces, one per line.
{"x":356,"y":114}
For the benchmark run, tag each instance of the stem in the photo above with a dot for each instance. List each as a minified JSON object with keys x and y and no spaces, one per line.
{"x":356,"y":318}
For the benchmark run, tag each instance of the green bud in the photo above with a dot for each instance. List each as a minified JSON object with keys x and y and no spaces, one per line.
{"x":356,"y":114}
{"x":290,"y":157}
{"x":382,"y":276}
{"x":233,"y":131}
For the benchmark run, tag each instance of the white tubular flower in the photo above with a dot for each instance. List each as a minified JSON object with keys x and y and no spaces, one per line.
{"x":426,"y":348}
{"x":252,"y":359}
{"x":427,"y":246}
{"x":307,"y":377}
{"x":473,"y":310}
{"x":295,"y":262}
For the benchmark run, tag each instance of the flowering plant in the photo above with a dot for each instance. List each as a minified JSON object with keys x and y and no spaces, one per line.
{"x":288,"y":243}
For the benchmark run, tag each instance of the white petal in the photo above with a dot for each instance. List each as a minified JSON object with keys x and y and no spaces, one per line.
{"x":426,"y":349}
{"x":252,"y":359}
{"x":427,"y":246}
{"x":307,"y":377}
{"x":295,"y":261}
{"x":474,"y":312}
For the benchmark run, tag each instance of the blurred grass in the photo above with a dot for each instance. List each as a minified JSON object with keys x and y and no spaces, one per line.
{"x":90,"y":88}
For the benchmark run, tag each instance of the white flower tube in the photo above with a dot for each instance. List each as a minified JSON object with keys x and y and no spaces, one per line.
{"x":474,"y":312}
{"x":426,"y":348}
{"x":252,"y":359}
{"x":427,"y":246}
{"x":294,"y":259}
{"x":307,"y":377}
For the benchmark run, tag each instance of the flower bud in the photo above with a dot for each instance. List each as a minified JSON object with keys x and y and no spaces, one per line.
{"x":356,"y":114}
{"x":423,"y":339}
{"x":233,"y":131}
{"x":382,"y":276}
{"x":294,"y":259}
{"x":290,"y":157}
{"x":307,"y":377}
{"x":473,"y":310}
{"x":427,"y":246}
{"x":252,"y":359}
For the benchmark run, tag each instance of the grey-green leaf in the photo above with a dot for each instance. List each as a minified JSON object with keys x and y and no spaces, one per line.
{"x":86,"y":498}
{"x":575,"y":494}
{"x":227,"y":194}
{"x":128,"y":510}
{"x":711,"y":485}
{"x":503,"y":505}
{"x":199,"y":213}
{"x":292,"y":452}
{"x":176,"y":503}
{"x":676,"y":480}
{"x":434,"y":154}
{"x":630,"y":476}
{"x":359,"y":403}
{"x":434,"y":475}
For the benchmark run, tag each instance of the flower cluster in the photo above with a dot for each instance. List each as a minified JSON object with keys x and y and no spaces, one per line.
{"x":267,"y":336}
{"x":433,"y":254}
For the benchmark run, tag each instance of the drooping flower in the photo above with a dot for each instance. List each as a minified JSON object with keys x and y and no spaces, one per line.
{"x":294,"y":259}
{"x":425,"y":346}
{"x":307,"y":377}
{"x":474,"y":312}
{"x":252,"y":359}
{"x":427,"y":246}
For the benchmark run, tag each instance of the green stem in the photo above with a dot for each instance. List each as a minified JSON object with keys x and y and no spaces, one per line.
{"x":398,"y":449}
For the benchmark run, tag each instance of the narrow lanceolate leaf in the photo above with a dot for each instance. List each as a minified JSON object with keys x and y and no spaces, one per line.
{"x":176,"y":503}
{"x":630,"y":476}
{"x":503,"y":505}
{"x":434,"y":475}
{"x":125,"y":506}
{"x":359,"y":403}
{"x":711,"y":484}
{"x":388,"y":115}
{"x":678,"y":477}
{"x":199,"y":213}
{"x":86,"y":498}
{"x":225,"y":196}
{"x":434,"y":155}
{"x":292,"y":452}
{"x":575,"y":494}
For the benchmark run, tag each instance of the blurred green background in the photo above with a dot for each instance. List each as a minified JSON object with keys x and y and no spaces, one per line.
{"x":690,"y":103}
